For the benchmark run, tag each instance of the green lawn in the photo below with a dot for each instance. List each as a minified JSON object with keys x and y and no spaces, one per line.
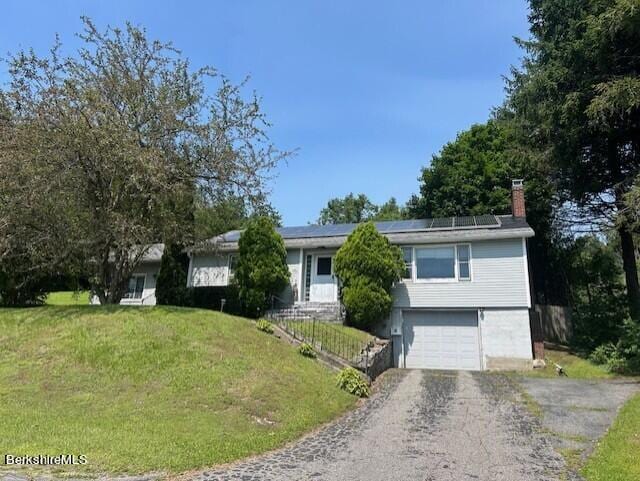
{"x":575,"y":367}
{"x":67,"y":298}
{"x":138,"y":389}
{"x":617,"y":456}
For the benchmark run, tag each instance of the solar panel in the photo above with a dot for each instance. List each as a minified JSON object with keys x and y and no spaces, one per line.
{"x":387,"y":227}
{"x":486,"y":220}
{"x":465,"y":221}
{"x":442,"y":223}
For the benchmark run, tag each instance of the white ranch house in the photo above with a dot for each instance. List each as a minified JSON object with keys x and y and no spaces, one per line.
{"x":463,"y":302}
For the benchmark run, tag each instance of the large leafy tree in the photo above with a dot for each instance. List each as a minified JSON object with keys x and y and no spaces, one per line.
{"x":102,"y":152}
{"x":367,"y":266}
{"x":472,"y":176}
{"x":213,"y":218}
{"x":578,"y":92}
{"x":353,"y":209}
{"x":262,"y":270}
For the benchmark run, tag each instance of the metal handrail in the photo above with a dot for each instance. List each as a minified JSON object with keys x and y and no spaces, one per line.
{"x":325,"y":337}
{"x":145,"y":298}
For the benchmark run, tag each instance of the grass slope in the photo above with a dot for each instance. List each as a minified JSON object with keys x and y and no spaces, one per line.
{"x":575,"y":367}
{"x":616,"y":457}
{"x":142,"y":389}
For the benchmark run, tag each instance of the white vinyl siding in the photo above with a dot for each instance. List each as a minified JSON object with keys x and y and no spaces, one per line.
{"x":209,"y":270}
{"x":291,"y":293}
{"x":498,"y":279}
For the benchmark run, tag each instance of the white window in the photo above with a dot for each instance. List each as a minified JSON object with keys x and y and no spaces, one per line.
{"x":135,"y":287}
{"x":407,"y":255}
{"x":233,"y":264}
{"x":436,"y":263}
{"x":464,"y":262}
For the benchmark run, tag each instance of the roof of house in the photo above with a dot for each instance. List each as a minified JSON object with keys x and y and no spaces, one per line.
{"x":400,"y":231}
{"x":154,"y":253}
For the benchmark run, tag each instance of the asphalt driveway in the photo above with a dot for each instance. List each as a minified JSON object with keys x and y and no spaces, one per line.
{"x":421,"y":425}
{"x":577,"y":412}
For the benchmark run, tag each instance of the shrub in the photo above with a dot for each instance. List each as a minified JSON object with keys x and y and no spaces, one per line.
{"x":306,"y":350}
{"x":368,"y":265}
{"x":602,"y":353}
{"x":623,"y":357}
{"x":265,"y":326}
{"x":210,"y":297}
{"x":350,"y":380}
{"x":171,"y":284}
{"x":19,"y":287}
{"x":366,"y":302}
{"x":629,"y":348}
{"x":262,"y":270}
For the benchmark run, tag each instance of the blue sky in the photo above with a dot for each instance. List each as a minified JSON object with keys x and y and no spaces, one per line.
{"x":366,"y":91}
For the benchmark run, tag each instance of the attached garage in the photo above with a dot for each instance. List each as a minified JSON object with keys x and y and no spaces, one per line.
{"x":441,"y":340}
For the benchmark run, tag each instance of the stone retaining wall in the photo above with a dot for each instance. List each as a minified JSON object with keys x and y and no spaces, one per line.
{"x":378,"y":360}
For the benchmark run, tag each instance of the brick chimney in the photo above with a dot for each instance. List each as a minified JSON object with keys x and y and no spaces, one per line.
{"x":517,"y":198}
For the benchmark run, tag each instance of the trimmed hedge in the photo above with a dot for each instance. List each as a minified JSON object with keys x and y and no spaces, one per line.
{"x":210,"y":297}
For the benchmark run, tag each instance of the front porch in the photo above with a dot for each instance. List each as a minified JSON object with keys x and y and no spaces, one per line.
{"x":312,"y":277}
{"x":299,"y":311}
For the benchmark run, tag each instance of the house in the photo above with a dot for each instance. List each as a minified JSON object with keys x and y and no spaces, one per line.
{"x":463,"y":301}
{"x":141,"y":289}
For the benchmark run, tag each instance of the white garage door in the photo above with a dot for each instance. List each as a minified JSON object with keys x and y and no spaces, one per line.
{"x":441,"y":340}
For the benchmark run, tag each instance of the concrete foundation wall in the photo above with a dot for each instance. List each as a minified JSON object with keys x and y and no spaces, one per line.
{"x":506,"y":338}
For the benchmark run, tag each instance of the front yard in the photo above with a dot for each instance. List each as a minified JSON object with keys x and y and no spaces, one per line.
{"x":153,"y":389}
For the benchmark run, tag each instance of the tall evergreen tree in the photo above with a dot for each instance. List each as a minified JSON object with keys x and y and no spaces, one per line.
{"x":171,"y":284}
{"x":578,"y":93}
{"x":262,"y":270}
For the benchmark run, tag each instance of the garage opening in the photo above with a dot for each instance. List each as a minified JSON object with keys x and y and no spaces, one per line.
{"x":441,"y":340}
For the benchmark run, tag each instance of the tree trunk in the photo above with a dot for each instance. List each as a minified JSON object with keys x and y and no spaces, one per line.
{"x":630,"y":271}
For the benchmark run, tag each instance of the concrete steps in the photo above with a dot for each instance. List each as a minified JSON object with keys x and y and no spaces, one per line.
{"x":322,"y":311}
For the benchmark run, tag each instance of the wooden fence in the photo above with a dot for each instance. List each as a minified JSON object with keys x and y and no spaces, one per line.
{"x":556,"y":322}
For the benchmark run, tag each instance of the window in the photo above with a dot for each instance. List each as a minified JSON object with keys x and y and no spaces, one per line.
{"x":307,"y":278}
{"x":135,"y":287}
{"x":233,"y":264}
{"x":437,"y":263}
{"x":464,"y":257}
{"x":324,"y":266}
{"x":407,"y":254}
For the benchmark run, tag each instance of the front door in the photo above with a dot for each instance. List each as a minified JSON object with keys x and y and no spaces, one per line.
{"x":323,"y":281}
